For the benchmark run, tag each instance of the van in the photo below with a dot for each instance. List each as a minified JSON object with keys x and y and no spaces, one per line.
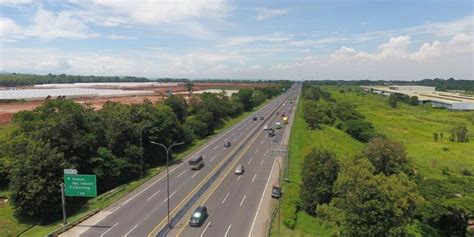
{"x":196,"y":163}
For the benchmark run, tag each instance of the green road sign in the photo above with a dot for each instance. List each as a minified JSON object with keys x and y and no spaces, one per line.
{"x":80,"y":185}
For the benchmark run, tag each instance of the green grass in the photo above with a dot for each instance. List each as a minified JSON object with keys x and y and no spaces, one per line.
{"x":10,"y":226}
{"x":414,"y":127}
{"x":302,"y":141}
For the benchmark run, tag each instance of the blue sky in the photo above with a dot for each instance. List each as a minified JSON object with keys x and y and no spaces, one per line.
{"x":401,"y":40}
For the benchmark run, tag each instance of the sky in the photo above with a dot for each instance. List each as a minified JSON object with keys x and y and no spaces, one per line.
{"x":245,"y":39}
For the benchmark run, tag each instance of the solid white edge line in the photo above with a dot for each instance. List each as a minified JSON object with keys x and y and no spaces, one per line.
{"x":102,"y":235}
{"x":261,"y":199}
{"x":130,"y":231}
{"x":202,"y":234}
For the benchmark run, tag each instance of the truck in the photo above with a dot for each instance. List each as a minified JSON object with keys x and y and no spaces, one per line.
{"x":285,"y":120}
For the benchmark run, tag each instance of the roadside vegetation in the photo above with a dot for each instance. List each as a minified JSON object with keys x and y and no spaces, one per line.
{"x":63,"y":134}
{"x":384,"y":174}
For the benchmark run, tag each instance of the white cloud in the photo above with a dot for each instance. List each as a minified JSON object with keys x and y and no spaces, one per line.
{"x":120,"y":37}
{"x":265,"y":13}
{"x":15,"y":2}
{"x":9,"y":30}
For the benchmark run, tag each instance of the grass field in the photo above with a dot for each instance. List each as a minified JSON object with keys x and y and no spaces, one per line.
{"x":411,"y":125}
{"x":414,"y":127}
{"x":302,"y":141}
{"x":10,"y":226}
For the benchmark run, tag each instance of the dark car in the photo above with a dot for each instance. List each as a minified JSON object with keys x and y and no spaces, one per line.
{"x":227,"y":144}
{"x":271,"y":133}
{"x":262,"y":118}
{"x":276,"y":191}
{"x":198,"y":217}
{"x":254,"y":118}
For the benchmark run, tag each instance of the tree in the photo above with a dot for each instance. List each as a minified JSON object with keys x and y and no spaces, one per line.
{"x":392,"y":100}
{"x":459,"y":133}
{"x":245,"y":96}
{"x":374,"y":205}
{"x":414,"y":100}
{"x":360,"y":130}
{"x":316,"y":113}
{"x":320,"y":169}
{"x":346,"y":111}
{"x":387,"y":156}
{"x":179,"y":106}
{"x":189,"y":88}
{"x":35,"y":176}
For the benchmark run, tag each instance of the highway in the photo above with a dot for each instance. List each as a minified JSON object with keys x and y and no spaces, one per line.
{"x":143,"y":212}
{"x":234,"y":200}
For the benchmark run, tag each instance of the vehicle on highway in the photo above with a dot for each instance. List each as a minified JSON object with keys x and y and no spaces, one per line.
{"x":283,"y":114}
{"x":196,"y":163}
{"x":227,"y":144}
{"x":262,"y":118}
{"x":198,"y":217}
{"x":276,"y":191}
{"x":254,"y":118}
{"x":265,"y":127}
{"x":285,"y":120}
{"x":239,"y":169}
{"x":271,"y":132}
{"x":278,"y":125}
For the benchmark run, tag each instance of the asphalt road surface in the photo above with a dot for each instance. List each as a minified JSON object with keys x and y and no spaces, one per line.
{"x":143,"y":212}
{"x":233,"y":201}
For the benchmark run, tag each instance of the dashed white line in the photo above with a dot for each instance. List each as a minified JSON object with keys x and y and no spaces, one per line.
{"x":194,"y":174}
{"x":214,"y":148}
{"x":170,"y":196}
{"x":179,"y":175}
{"x":250,"y":161}
{"x":130,"y":231}
{"x":152,"y":196}
{"x":214,"y":157}
{"x":228,"y":228}
{"x":254,"y":177}
{"x":225,"y":198}
{"x":256,"y":151}
{"x":261,"y":143}
{"x":239,"y":178}
{"x":202,"y":234}
{"x":243,"y":199}
{"x":261,"y":163}
{"x":102,"y":235}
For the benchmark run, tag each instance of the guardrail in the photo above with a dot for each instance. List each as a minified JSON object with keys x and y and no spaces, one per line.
{"x":174,"y":220}
{"x":66,"y":227}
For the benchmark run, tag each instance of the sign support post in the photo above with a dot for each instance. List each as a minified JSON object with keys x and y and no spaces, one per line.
{"x":63,"y":198}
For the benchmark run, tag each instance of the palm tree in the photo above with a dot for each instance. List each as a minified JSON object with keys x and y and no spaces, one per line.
{"x":189,"y":88}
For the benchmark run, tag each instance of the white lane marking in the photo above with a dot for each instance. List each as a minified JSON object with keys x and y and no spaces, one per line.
{"x":214,"y":157}
{"x":170,"y":196}
{"x":179,"y":175}
{"x":250,"y":161}
{"x":194,"y":174}
{"x":152,"y":196}
{"x":102,"y":235}
{"x":256,"y":151}
{"x":239,"y":178}
{"x":243,"y":199}
{"x":214,"y":148}
{"x":130,"y":231}
{"x":261,"y":163}
{"x":202,"y":234}
{"x":261,"y":199}
{"x":261,"y":143}
{"x":228,"y":228}
{"x":115,"y":208}
{"x":225,"y":198}
{"x":254,"y":177}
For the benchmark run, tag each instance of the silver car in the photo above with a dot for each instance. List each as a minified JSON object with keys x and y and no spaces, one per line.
{"x":239,"y":170}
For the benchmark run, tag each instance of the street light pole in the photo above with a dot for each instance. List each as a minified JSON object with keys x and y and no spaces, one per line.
{"x":167,"y":149}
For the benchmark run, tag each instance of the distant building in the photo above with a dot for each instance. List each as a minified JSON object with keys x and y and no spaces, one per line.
{"x":427,"y":94}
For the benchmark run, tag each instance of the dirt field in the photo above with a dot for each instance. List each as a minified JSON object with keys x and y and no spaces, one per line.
{"x":8,"y":109}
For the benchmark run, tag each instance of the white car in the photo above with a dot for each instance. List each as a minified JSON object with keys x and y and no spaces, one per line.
{"x":265,"y":127}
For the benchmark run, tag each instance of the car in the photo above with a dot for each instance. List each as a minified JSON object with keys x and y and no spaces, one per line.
{"x":278,"y":125}
{"x":276,"y":191}
{"x":198,"y":217}
{"x":227,"y":144}
{"x":265,"y":127}
{"x":271,"y":133}
{"x":254,"y":118}
{"x":262,"y":118}
{"x":239,"y":169}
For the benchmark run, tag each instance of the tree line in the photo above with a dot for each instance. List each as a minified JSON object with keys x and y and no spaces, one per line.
{"x":62,"y":134}
{"x":320,"y":108}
